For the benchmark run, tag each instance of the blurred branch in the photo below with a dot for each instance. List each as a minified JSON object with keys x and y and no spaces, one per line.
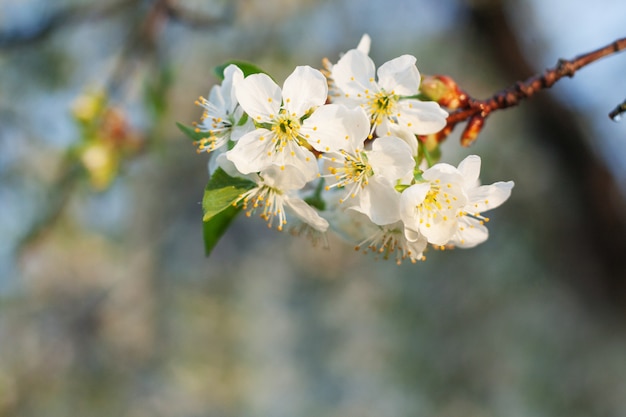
{"x":194,"y":20}
{"x":476,"y":111}
{"x":57,"y":19}
{"x":58,"y":196}
{"x":19,"y":37}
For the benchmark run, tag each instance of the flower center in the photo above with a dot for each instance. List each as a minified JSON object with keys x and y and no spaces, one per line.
{"x":381,"y":106}
{"x":354,"y":170}
{"x":286,"y":128}
{"x":439,"y":205}
{"x":388,"y":240}
{"x":267,"y":199}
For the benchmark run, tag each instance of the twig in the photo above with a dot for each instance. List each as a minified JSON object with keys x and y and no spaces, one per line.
{"x":475,"y":111}
{"x":618,"y":111}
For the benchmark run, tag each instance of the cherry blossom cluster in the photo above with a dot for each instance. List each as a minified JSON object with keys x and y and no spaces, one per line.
{"x":339,"y":148}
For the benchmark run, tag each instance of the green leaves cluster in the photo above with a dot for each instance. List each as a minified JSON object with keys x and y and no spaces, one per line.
{"x":220,"y":203}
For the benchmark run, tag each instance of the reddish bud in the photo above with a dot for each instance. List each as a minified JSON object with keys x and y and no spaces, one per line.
{"x":443,"y":90}
{"x":472,"y":129}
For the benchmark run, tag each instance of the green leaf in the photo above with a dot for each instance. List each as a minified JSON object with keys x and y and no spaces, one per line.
{"x":217,"y":226}
{"x":190,"y":132}
{"x":221,"y":192}
{"x":316,"y":199}
{"x":246,"y":67}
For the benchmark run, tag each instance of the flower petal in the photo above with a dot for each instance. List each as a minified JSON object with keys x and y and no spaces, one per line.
{"x":306,"y":213}
{"x":409,"y":200}
{"x":400,"y":75}
{"x":306,"y":87}
{"x":232,"y":76}
{"x":421,"y":117}
{"x":333,"y":127}
{"x":364,"y":44}
{"x":250,"y":154}
{"x":406,"y":135}
{"x":391,"y":158}
{"x":470,"y":233}
{"x":287,"y":178}
{"x":354,"y":73}
{"x":470,"y":170}
{"x":444,"y":173}
{"x":222,"y":161}
{"x":439,"y":231}
{"x":379,"y":201}
{"x":487,"y":197}
{"x":259,"y":96}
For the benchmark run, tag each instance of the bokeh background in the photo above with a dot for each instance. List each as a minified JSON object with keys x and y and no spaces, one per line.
{"x":108,"y":306}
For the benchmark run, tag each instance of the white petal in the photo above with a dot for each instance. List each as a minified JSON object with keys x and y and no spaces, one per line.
{"x":287,"y":178}
{"x":421,"y":117}
{"x":470,"y":170}
{"x":222,"y":161}
{"x":306,"y":213}
{"x":250,"y":154}
{"x":259,"y":96}
{"x":443,"y":172}
{"x":391,"y":158}
{"x":217,"y":100}
{"x":413,"y":235}
{"x":487,"y":197}
{"x":238,"y":131}
{"x":409,"y":200}
{"x":232,"y":76}
{"x":407,"y":136}
{"x":417,"y":247}
{"x":298,"y":157}
{"x":354,"y":73}
{"x":333,"y":127}
{"x":400,"y":75}
{"x":364,"y":44}
{"x":438,"y":228}
{"x":438,"y":231}
{"x":470,"y":233}
{"x":305,"y":88}
{"x":379,"y":201}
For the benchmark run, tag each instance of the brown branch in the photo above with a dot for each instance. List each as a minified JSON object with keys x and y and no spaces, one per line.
{"x":475,"y":111}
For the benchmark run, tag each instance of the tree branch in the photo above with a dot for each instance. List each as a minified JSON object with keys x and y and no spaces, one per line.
{"x":475,"y":111}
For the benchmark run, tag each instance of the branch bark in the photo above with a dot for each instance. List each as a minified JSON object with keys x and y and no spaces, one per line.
{"x":600,"y":233}
{"x":475,"y":111}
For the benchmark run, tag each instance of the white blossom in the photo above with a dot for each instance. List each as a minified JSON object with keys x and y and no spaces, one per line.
{"x":446,"y":207}
{"x":289,"y":123}
{"x":276,"y":195}
{"x":222,"y":116}
{"x":389,"y":100}
{"x":369,"y":176}
{"x":471,"y":229}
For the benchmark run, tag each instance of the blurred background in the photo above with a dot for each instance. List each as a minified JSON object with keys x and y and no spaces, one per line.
{"x":108,"y":306}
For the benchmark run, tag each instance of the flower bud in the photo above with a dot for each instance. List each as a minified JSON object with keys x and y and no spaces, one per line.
{"x":443,"y":90}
